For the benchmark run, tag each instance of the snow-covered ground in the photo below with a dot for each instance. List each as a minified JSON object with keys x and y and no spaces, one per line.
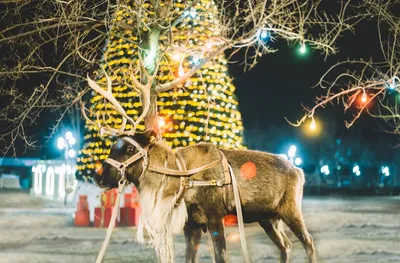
{"x":364,"y":229}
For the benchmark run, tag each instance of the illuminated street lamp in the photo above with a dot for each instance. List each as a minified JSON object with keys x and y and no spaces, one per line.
{"x":291,"y":156}
{"x":60,"y":143}
{"x":298,"y":161}
{"x":356,"y":170}
{"x":385,"y":170}
{"x":325,"y":169}
{"x":66,"y":143}
{"x":292,"y":152}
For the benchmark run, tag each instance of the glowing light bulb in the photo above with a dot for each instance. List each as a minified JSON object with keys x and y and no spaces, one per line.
{"x":263,"y":35}
{"x":313,"y":125}
{"x":364,"y":98}
{"x":303,"y":48}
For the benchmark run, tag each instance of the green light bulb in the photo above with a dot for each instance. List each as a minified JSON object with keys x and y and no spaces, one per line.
{"x":303,"y":48}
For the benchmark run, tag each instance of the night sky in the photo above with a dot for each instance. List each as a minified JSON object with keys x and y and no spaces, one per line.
{"x":281,"y":82}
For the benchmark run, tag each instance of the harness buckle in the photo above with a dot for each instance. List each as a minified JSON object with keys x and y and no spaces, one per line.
{"x":214,"y":182}
{"x":187,"y":183}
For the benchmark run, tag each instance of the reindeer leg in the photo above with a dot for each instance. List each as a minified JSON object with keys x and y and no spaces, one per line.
{"x":216,"y":229}
{"x":192,"y":236}
{"x":294,"y":220}
{"x":273,"y":228}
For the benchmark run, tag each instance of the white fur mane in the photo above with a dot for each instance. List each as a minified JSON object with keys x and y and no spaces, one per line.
{"x":161,"y":220}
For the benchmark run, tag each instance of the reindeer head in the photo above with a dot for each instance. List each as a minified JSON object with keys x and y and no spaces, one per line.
{"x":129,"y":153}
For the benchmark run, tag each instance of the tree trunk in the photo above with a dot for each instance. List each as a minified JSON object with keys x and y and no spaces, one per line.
{"x":151,"y":120}
{"x":151,"y":44}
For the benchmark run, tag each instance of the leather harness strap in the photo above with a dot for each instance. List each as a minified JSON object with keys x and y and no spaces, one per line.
{"x":187,"y":183}
{"x":142,"y":153}
{"x":180,"y":162}
{"x":182,"y":173}
{"x":228,"y":173}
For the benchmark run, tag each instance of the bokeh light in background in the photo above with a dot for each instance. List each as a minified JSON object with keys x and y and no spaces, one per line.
{"x":298,"y":161}
{"x":233,"y":237}
{"x":248,"y":170}
{"x":356,"y":170}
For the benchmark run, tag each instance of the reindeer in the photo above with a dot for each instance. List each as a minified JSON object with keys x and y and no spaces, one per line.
{"x":171,"y":200}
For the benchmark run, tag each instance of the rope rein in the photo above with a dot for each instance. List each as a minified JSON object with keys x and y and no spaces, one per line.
{"x":121,"y":186}
{"x":185,"y":183}
{"x":240,"y":217}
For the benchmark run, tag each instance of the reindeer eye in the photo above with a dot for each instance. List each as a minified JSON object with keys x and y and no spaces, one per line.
{"x":130,"y":149}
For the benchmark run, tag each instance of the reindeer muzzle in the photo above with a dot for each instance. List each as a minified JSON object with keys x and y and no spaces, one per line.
{"x":122,"y":166}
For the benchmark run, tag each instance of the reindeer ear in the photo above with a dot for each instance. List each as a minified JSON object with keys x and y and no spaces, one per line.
{"x":145,"y":138}
{"x":151,"y":136}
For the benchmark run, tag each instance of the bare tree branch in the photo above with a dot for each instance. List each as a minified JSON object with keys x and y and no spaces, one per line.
{"x":76,"y":32}
{"x":368,"y":81}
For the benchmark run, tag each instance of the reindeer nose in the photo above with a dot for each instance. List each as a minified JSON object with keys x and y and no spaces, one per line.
{"x":98,"y":168}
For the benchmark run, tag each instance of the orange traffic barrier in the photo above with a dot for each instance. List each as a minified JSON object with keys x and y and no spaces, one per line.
{"x":230,"y":220}
{"x":129,"y":200}
{"x":131,"y":212}
{"x":82,"y":215}
{"x":130,"y":216}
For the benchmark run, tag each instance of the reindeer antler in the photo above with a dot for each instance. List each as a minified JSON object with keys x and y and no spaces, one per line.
{"x":107,"y":94}
{"x":143,"y":89}
{"x":97,"y":124}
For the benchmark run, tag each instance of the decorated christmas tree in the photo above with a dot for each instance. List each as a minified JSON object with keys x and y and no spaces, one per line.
{"x":204,"y":108}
